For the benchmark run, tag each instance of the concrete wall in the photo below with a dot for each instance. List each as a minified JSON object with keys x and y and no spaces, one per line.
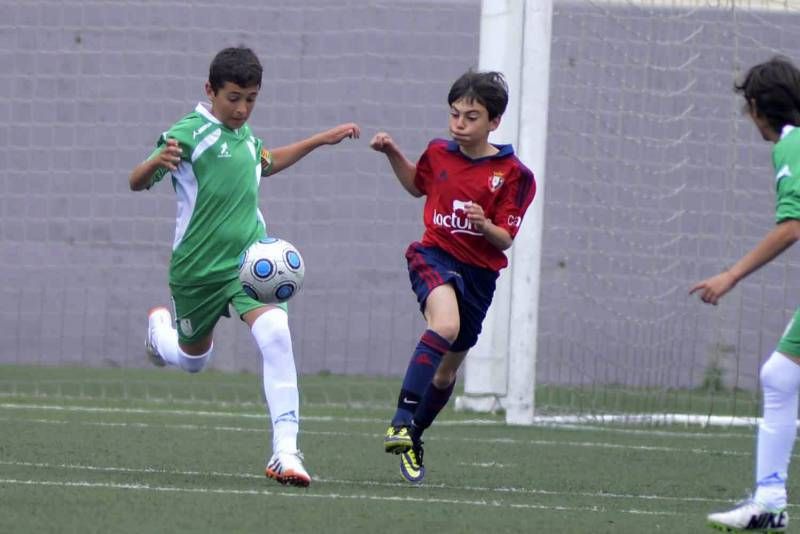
{"x":654,"y":178}
{"x":85,"y":89}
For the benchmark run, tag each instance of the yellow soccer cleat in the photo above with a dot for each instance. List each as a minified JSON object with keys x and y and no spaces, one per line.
{"x":411,"y":464}
{"x":397,"y":439}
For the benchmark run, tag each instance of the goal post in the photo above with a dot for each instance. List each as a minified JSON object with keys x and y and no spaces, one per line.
{"x":500,"y":371}
{"x":526,"y":259}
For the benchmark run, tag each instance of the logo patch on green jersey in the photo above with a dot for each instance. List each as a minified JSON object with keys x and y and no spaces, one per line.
{"x":186,"y":327}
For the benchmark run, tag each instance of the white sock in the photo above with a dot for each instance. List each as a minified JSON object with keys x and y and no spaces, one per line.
{"x":271,"y":331}
{"x":165,"y":340}
{"x":194,"y":364}
{"x":780,"y":382}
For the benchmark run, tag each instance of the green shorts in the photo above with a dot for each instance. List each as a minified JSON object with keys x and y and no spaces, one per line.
{"x":198,"y":308}
{"x":790,"y":341}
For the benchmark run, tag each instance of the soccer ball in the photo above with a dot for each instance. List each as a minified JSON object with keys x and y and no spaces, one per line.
{"x":271,"y":270}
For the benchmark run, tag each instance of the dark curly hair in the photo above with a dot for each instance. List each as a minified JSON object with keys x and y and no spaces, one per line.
{"x":772,"y":89}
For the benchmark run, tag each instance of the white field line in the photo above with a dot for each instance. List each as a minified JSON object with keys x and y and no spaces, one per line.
{"x":352,"y":405}
{"x":329,"y":496}
{"x":399,"y":485}
{"x":377,"y":436}
{"x":205,"y":413}
{"x":486,"y":465}
{"x":684,"y":419}
{"x":561,"y":422}
{"x":651,"y":432}
{"x":262,"y":417}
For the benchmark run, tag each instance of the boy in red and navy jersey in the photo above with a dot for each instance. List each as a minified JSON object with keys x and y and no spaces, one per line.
{"x":476,"y":196}
{"x":499,"y":183}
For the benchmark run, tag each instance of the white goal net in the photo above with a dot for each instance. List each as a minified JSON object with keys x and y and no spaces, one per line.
{"x":654,"y":180}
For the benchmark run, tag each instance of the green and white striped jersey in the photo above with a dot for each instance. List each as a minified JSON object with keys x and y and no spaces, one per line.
{"x":216,"y":183}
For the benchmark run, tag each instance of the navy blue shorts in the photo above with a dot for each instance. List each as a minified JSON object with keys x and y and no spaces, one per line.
{"x":430,"y":267}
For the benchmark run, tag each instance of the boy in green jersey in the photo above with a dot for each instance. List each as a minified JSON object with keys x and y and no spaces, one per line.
{"x":772,"y":94}
{"x":216,"y":165}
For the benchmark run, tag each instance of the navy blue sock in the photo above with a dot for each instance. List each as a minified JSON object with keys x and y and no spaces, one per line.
{"x":424,"y":362}
{"x":429,"y":407}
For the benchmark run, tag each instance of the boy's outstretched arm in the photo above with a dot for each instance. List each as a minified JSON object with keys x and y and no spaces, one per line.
{"x":404,"y":169}
{"x":286,"y":156}
{"x":169,"y":158}
{"x":776,"y":241}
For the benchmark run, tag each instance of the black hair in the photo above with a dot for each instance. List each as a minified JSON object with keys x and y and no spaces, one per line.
{"x":487,"y":88}
{"x":773,"y":87}
{"x":239,"y":65}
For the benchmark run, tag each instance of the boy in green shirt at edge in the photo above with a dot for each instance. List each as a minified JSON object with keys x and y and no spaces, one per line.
{"x":772,"y":94}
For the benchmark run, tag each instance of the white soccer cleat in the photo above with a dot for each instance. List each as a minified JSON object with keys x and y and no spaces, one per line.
{"x":156,"y":316}
{"x":750,"y":516}
{"x":287,"y":468}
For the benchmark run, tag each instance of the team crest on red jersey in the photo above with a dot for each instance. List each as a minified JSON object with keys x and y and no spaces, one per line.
{"x":496,"y":181}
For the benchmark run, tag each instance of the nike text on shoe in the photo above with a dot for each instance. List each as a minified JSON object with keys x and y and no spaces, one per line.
{"x":750,"y":516}
{"x":397,"y":439}
{"x":155,"y":316}
{"x":411,"y":464}
{"x":287,"y":468}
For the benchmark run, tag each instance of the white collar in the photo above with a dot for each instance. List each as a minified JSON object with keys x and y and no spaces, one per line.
{"x":787,"y":129}
{"x":202,"y":109}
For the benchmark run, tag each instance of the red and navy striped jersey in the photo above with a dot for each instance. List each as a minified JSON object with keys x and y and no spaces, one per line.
{"x":500,"y":184}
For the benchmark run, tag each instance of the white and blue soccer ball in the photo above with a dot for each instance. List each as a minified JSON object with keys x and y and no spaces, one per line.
{"x":271,"y":270}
